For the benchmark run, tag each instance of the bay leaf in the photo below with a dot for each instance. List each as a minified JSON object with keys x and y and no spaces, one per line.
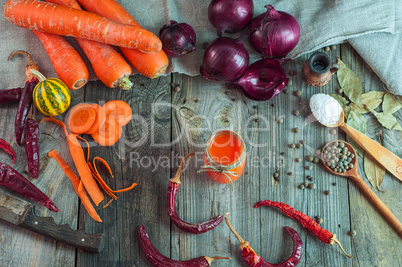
{"x":350,"y":83}
{"x":343,"y":102}
{"x":388,"y":121}
{"x":374,"y":171}
{"x":391,"y":104}
{"x":357,"y":121}
{"x":369,"y":101}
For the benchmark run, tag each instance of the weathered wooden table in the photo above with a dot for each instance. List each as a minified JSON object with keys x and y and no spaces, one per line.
{"x":167,"y":125}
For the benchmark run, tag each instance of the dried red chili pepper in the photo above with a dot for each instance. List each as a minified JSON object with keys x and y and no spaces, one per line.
{"x":254,"y":260}
{"x":14,"y":181}
{"x":26,"y":97}
{"x":157,"y":259}
{"x":7,"y":148}
{"x":195,"y":228}
{"x":32,"y":146}
{"x":307,"y":222}
{"x":10,"y":96}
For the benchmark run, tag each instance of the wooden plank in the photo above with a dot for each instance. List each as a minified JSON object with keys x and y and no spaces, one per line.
{"x":132,"y":161}
{"x":20,"y":247}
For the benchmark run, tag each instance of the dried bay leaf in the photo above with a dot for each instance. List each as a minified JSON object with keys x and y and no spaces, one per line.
{"x":369,"y":101}
{"x":388,"y":121}
{"x":391,"y":104}
{"x":374,"y":171}
{"x":350,"y":83}
{"x":357,"y":121}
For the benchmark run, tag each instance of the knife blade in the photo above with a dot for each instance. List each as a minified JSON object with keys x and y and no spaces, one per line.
{"x":22,"y":213}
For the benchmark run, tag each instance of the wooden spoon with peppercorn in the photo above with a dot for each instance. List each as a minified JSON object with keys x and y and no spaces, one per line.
{"x":321,"y":112}
{"x":340,"y":158}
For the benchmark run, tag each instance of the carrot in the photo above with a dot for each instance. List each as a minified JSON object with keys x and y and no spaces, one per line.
{"x":151,"y":65}
{"x":76,"y":184}
{"x":108,"y":65}
{"x":119,"y":110}
{"x":81,"y":118}
{"x":100,"y":119}
{"x":61,"y":20}
{"x":109,"y":133}
{"x":78,"y":157}
{"x":66,"y":61}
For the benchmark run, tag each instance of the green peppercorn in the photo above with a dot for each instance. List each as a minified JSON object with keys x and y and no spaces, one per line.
{"x":352,"y":233}
{"x":327,"y":48}
{"x":352,"y":156}
{"x":316,"y":160}
{"x":311,"y":186}
{"x":291,"y":145}
{"x":320,"y":220}
{"x":332,"y":131}
{"x":296,"y":112}
{"x":349,"y":153}
{"x":310,"y":158}
{"x":280,"y":120}
{"x":351,"y":165}
{"x":301,"y":186}
{"x":298,"y":93}
{"x":328,"y":192}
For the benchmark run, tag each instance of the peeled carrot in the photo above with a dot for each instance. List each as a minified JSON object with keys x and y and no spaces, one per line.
{"x":66,"y":61}
{"x":100,"y":119}
{"x":108,"y":65}
{"x":109,"y":133}
{"x":80,"y":162}
{"x":61,"y":20}
{"x":76,"y":184}
{"x":151,"y":65}
{"x":81,"y":118}
{"x":119,"y":110}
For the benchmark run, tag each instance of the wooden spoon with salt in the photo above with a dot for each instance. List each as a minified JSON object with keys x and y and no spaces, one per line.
{"x":354,"y":175}
{"x":385,"y":157}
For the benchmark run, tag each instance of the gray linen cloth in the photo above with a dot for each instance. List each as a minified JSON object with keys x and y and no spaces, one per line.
{"x":323,"y":23}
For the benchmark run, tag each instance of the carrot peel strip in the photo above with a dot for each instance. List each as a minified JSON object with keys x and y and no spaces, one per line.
{"x":104,"y":163}
{"x":77,"y":184}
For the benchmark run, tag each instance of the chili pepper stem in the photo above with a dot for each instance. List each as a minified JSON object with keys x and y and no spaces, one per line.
{"x":38,"y":75}
{"x":335,"y":240}
{"x":243,"y":243}
{"x":30,"y":60}
{"x":176,"y":178}
{"x":211,"y":259}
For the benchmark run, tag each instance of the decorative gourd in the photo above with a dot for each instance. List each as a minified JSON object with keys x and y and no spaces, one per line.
{"x":51,"y":96}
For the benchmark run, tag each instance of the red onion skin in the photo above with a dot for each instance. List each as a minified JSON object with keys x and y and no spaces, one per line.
{"x":177,"y":39}
{"x":225,"y":59}
{"x":274,"y":33}
{"x":263,"y":80}
{"x":230,"y":16}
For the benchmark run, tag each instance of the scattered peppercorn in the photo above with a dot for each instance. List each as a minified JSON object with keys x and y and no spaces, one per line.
{"x":339,"y":91}
{"x":299,"y":145}
{"x":327,"y":192}
{"x":285,"y":91}
{"x":302,"y":141}
{"x":305,"y":184}
{"x":297,"y":159}
{"x":296,"y":112}
{"x":297,"y":93}
{"x":282,"y":153}
{"x":309,"y":177}
{"x":352,"y":233}
{"x":310,"y":158}
{"x":311,"y":186}
{"x":308,"y":168}
{"x":320,"y":220}
{"x":316,"y":160}
{"x":327,"y":48}
{"x":295,"y":130}
{"x":290,"y":173}
{"x":333,"y":184}
{"x":292,"y":145}
{"x":332,"y":131}
{"x":300,"y":186}
{"x":279,"y":120}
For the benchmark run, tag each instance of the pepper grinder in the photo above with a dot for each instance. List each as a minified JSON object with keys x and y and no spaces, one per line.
{"x":318,"y":69}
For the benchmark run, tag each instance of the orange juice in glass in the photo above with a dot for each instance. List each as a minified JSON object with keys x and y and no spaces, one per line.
{"x":224,"y":157}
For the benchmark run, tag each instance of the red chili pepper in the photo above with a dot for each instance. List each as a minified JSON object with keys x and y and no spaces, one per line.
{"x":307,"y":222}
{"x":10,"y":96}
{"x":26,"y":97}
{"x":32,"y":146}
{"x":14,"y":181}
{"x":195,"y":228}
{"x":157,"y":259}
{"x":254,"y":260}
{"x":7,"y":148}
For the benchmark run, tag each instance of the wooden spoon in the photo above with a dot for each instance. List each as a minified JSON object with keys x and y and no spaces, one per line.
{"x":385,"y":157}
{"x":355,"y":176}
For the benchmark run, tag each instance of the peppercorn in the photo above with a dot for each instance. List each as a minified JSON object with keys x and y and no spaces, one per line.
{"x":296,"y":130}
{"x":352,"y":233}
{"x":297,"y":93}
{"x":327,"y":192}
{"x":316,"y":160}
{"x":290,"y":83}
{"x":309,"y":177}
{"x":297,"y":159}
{"x":334,"y":184}
{"x":296,"y":112}
{"x":302,"y":141}
{"x":176,"y":88}
{"x":299,"y":145}
{"x":273,"y":105}
{"x":320,"y":220}
{"x":280,"y":120}
{"x":311,"y":186}
{"x":305,"y":184}
{"x":301,"y":186}
{"x":327,"y":48}
{"x":290,"y":173}
{"x":285,"y":91}
{"x":339,"y":91}
{"x":332,"y":131}
{"x":310,"y":158}
{"x":308,"y":168}
{"x":291,"y":145}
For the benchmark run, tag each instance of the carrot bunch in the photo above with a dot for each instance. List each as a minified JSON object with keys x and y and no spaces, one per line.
{"x":103,"y":123}
{"x":95,"y":31}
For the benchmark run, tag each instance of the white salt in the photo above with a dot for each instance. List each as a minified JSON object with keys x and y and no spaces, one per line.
{"x":325,"y":109}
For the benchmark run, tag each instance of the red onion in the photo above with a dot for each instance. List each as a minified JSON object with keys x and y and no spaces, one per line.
{"x":263,"y":79}
{"x":230,"y":15}
{"x":275,"y":34}
{"x":225,"y":59}
{"x":177,"y":39}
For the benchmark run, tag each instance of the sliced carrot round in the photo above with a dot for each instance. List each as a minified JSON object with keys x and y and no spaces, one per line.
{"x":80,"y":118}
{"x":100,"y":119}
{"x":109,"y":133}
{"x":120,"y":110}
